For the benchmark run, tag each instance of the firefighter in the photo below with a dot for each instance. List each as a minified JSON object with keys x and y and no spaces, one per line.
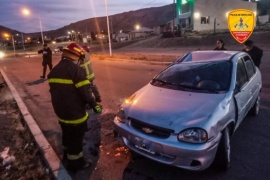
{"x":69,"y":91}
{"x":85,"y":63}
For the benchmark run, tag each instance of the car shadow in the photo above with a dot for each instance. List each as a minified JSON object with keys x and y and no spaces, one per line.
{"x":146,"y":169}
{"x":36,"y":82}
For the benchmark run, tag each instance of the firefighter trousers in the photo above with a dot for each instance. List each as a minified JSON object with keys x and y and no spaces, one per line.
{"x":45,"y":68}
{"x":72,"y":140}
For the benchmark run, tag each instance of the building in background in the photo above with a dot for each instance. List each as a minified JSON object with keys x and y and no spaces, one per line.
{"x":203,"y":15}
{"x":140,"y":32}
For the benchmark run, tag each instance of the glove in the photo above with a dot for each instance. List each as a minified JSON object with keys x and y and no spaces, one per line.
{"x":97,"y":109}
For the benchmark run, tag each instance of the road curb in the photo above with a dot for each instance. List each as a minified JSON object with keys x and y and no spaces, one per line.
{"x":47,"y":151}
{"x":133,"y":61}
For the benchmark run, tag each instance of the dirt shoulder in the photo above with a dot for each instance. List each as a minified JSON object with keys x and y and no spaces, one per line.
{"x":23,"y":160}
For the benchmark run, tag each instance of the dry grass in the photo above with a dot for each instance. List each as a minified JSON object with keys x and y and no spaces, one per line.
{"x":14,"y":134}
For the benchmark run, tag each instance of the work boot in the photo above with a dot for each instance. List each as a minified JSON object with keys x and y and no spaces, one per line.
{"x":76,"y":165}
{"x":86,"y":164}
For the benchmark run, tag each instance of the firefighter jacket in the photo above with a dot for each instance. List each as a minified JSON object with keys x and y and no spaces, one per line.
{"x":69,"y":90}
{"x":87,"y":66}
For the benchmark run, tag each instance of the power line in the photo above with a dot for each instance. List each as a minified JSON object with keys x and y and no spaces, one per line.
{"x":148,"y":4}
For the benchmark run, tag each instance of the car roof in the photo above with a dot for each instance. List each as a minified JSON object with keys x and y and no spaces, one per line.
{"x":211,"y":55}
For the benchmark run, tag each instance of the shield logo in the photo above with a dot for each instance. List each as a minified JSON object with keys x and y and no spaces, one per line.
{"x":241,"y":23}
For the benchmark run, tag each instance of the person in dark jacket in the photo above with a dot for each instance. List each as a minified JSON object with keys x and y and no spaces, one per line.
{"x":69,"y":89}
{"x":254,"y":52}
{"x":220,"y":45}
{"x":47,"y":59}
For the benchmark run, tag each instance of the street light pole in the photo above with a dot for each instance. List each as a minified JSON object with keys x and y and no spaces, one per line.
{"x":23,"y":41}
{"x":27,"y":12}
{"x":12,"y":36}
{"x":108,"y":26}
{"x":41,"y":32}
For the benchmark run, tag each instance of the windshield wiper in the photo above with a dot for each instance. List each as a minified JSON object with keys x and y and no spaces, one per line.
{"x":163,"y":82}
{"x":159,"y":80}
{"x":199,"y":89}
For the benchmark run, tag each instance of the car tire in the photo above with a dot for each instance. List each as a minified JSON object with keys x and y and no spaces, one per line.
{"x":135,"y":156}
{"x":223,"y":156}
{"x":254,"y":111}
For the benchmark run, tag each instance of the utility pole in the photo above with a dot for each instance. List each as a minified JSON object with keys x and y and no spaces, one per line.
{"x":41,"y":31}
{"x":23,"y":41}
{"x":174,"y":9}
{"x":108,"y":26}
{"x":215,"y":22}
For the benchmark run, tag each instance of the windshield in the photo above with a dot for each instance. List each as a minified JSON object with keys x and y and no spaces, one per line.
{"x":199,"y":76}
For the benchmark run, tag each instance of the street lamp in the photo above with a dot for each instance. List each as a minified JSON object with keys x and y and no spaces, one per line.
{"x":40,"y":25}
{"x":108,"y":26}
{"x":23,"y":41}
{"x":12,"y":36}
{"x":72,"y":35}
{"x":27,"y":12}
{"x":6,"y":39}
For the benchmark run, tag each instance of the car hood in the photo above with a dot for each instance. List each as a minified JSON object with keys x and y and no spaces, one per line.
{"x":172,"y":109}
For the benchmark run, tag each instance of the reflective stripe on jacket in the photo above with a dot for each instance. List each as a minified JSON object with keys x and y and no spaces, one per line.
{"x":69,"y":81}
{"x":74,"y":121}
{"x":87,"y":66}
{"x":88,"y":70}
{"x":70,"y":92}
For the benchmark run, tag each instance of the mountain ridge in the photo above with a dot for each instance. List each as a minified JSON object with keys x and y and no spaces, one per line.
{"x":126,"y":21}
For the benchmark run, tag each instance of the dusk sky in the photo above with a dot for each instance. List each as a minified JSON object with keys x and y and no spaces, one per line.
{"x":55,"y":14}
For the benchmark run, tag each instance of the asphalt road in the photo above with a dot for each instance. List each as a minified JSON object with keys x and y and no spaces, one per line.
{"x":117,"y":80}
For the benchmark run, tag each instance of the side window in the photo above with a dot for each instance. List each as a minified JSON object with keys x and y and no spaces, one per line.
{"x":241,"y":75}
{"x":205,"y":20}
{"x":249,"y":66}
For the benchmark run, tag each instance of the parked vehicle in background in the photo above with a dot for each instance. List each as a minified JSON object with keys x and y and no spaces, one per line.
{"x":58,"y":49}
{"x":86,"y":48}
{"x":186,"y":116}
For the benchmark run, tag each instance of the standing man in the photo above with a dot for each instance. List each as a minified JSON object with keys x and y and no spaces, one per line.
{"x":254,"y":52}
{"x":47,"y":59}
{"x":69,"y":90}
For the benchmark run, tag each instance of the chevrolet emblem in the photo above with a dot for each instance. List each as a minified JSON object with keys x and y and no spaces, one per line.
{"x":147,"y":130}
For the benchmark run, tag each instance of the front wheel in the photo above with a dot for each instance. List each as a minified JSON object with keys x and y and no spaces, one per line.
{"x":223,"y":156}
{"x":135,"y":156}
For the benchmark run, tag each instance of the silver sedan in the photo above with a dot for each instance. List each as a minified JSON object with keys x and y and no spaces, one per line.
{"x":186,"y":116}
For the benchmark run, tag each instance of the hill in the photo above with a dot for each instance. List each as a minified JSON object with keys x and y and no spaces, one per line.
{"x":148,"y":17}
{"x":8,"y":30}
